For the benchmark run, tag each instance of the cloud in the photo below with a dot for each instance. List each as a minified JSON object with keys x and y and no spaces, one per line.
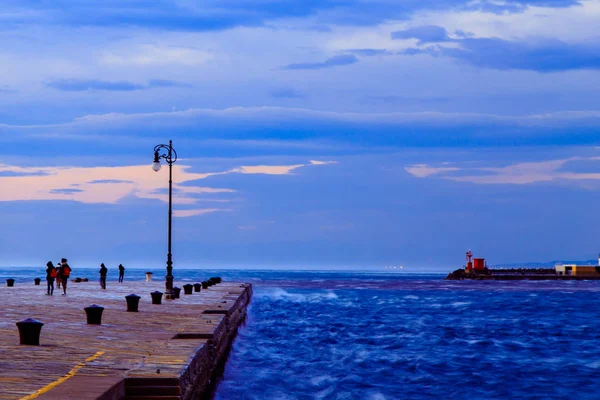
{"x":346,"y":59}
{"x":77,"y":85}
{"x":522,"y":173}
{"x":324,"y":131}
{"x":276,"y":169}
{"x":424,"y":34}
{"x":424,"y":170}
{"x":153,"y":55}
{"x":111,"y":184}
{"x":534,"y":54}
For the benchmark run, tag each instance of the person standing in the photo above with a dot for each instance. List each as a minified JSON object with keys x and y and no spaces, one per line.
{"x":103,"y":272}
{"x":121,"y":273}
{"x":65,"y":273}
{"x":50,"y":275}
{"x":58,"y":277}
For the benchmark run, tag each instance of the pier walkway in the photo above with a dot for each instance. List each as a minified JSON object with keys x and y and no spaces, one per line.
{"x":169,"y":351}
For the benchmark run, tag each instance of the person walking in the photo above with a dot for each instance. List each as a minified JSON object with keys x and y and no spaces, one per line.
{"x":103,"y":271}
{"x":65,"y":273}
{"x":50,"y":275}
{"x":121,"y":273}
{"x":58,"y":277}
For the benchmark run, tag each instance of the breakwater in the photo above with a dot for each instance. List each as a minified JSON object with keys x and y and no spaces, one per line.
{"x":172,"y":350}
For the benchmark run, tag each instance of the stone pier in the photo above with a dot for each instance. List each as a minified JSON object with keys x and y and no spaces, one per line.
{"x":175,"y":350}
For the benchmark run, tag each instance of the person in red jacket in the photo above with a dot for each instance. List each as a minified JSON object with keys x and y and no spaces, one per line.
{"x":65,"y":272}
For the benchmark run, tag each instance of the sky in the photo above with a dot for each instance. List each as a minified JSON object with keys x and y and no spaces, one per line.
{"x":310,"y":134}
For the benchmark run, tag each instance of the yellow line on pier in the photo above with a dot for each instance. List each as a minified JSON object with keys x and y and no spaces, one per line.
{"x":57,"y":382}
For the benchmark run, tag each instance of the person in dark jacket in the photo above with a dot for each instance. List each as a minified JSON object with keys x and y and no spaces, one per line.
{"x":103,"y":271}
{"x":50,"y":275}
{"x":121,"y":273}
{"x":65,"y":273}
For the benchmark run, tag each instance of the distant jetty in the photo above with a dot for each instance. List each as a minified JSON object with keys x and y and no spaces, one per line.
{"x":477,"y":269}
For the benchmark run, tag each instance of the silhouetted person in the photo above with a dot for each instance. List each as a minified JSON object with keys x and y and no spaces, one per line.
{"x":103,"y":271}
{"x":65,"y":273}
{"x":121,"y":273}
{"x":50,"y":275}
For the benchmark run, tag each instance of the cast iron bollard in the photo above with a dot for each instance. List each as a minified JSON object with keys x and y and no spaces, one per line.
{"x":29,"y":332}
{"x":133,"y":300}
{"x":156,"y":297}
{"x":10,"y":282}
{"x":148,"y":276}
{"x":176,"y":292}
{"x":216,"y":279}
{"x":205,"y":285}
{"x":94,"y":314}
{"x":37,"y":281}
{"x":187,"y":289}
{"x":197,"y":287}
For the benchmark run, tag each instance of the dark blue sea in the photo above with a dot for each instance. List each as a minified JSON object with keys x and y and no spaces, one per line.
{"x":353,"y":335}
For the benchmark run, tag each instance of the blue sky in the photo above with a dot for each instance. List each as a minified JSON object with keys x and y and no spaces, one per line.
{"x":311,"y":134}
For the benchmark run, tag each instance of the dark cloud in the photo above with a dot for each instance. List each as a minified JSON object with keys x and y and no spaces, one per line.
{"x":13,"y":173}
{"x":65,"y":191}
{"x":100,"y":181}
{"x":82,"y":85}
{"x":219,"y":15}
{"x":346,"y":59}
{"x":425,"y":34}
{"x":542,"y":55}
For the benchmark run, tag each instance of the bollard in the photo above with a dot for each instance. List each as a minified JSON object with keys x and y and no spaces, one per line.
{"x":29,"y":332}
{"x":187,"y":289}
{"x":197,"y":287}
{"x":216,"y":279}
{"x":156,"y":297}
{"x":205,"y":285}
{"x":133,"y":300}
{"x":37,"y":281}
{"x":148,"y":276}
{"x":94,"y":314}
{"x":10,"y":282}
{"x":176,"y":292}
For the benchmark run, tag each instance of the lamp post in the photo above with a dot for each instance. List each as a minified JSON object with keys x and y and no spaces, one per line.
{"x":168,"y":153}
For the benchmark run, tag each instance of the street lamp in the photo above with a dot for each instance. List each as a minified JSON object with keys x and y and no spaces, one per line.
{"x":170,"y":156}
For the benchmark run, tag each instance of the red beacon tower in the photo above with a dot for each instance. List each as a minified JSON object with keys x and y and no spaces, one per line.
{"x":469,"y":262}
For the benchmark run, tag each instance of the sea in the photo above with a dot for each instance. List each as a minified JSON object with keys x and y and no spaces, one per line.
{"x":369,"y":335}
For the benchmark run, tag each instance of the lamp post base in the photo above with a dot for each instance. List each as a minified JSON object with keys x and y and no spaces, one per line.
{"x":169,"y":295}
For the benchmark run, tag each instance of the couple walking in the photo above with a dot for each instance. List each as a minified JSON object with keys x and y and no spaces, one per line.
{"x":61,"y":274}
{"x":104,"y":271}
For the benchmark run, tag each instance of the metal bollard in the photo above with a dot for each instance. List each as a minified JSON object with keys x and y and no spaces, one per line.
{"x":156,"y":297}
{"x":29,"y":332}
{"x":133,"y":300}
{"x":176,"y":292}
{"x":10,"y":282}
{"x":197,"y":287}
{"x":187,"y":289}
{"x":94,"y":314}
{"x":37,"y":281}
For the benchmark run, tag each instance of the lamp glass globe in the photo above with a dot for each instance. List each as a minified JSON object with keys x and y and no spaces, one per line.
{"x":156,"y":166}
